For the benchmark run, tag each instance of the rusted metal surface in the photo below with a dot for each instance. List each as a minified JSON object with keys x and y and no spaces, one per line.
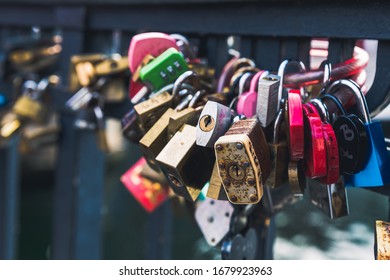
{"x":383,"y":240}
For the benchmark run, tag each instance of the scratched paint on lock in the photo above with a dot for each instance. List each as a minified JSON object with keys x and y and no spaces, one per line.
{"x":239,"y":169}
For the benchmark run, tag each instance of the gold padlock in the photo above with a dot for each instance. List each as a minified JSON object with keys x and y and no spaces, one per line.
{"x":28,"y":108}
{"x":156,"y":137}
{"x":186,"y":165}
{"x":150,"y":110}
{"x":243,"y":161}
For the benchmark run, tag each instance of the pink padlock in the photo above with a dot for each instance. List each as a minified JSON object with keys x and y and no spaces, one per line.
{"x":247,"y":101}
{"x":152,"y":43}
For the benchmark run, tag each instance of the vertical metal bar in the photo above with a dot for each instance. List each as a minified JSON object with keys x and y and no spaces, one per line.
{"x":246,"y":46}
{"x":289,"y":48}
{"x":266,"y":233}
{"x":158,"y":241}
{"x":217,"y":52}
{"x":77,"y":225}
{"x":304,"y":46}
{"x":9,"y":198}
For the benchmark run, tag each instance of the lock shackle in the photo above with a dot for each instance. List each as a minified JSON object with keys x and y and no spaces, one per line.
{"x":188,"y":75}
{"x":281,"y":72}
{"x":327,"y":66}
{"x":277,"y":125}
{"x":196,"y":97}
{"x":242,"y":81}
{"x":335,"y":100}
{"x":256,"y":78}
{"x":323,"y":112}
{"x":360,"y":99}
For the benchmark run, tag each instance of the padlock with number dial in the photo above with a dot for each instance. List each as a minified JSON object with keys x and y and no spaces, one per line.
{"x":243,"y":161}
{"x":186,"y":165}
{"x":163,"y":70}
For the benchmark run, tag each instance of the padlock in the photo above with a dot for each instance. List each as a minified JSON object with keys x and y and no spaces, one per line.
{"x":241,"y":247}
{"x":188,"y":116}
{"x":382,"y":240}
{"x":28,"y":108}
{"x":163,"y":70}
{"x":37,"y":136}
{"x":115,"y":90}
{"x":351,"y":134}
{"x":10,"y":123}
{"x":375,"y":169}
{"x":214,"y":121}
{"x":130,"y":128}
{"x":148,"y":193}
{"x":215,"y":189}
{"x":186,"y":165}
{"x":228,"y":71}
{"x":150,"y":110}
{"x":156,"y":137}
{"x":243,"y":161}
{"x":149,"y":43}
{"x":315,"y":149}
{"x":267,"y":99}
{"x":296,"y":178}
{"x":246,"y":104}
{"x":213,"y":218}
{"x":332,"y":149}
{"x":295,"y":125}
{"x":331,"y":199}
{"x":112,"y":65}
{"x":278,"y":154}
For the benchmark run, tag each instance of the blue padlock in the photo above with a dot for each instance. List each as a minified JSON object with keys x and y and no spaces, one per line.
{"x":376,"y":172}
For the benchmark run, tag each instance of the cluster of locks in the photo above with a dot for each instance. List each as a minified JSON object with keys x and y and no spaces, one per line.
{"x":243,"y":145}
{"x":239,"y":146}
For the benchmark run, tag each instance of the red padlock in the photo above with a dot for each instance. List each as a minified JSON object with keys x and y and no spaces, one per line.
{"x":315,"y":150}
{"x":331,"y":145}
{"x":294,"y":116}
{"x":148,"y":193}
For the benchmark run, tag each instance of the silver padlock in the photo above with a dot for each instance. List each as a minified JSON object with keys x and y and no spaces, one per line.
{"x":267,"y":99}
{"x":214,"y":121}
{"x":213,"y":218}
{"x":331,"y":199}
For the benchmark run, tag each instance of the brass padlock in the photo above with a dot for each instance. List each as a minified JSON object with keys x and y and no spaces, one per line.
{"x":115,"y":90}
{"x":30,"y":109}
{"x":186,"y":165}
{"x":243,"y":161}
{"x":216,"y":190}
{"x":279,"y":155}
{"x":150,"y":110}
{"x":157,"y":136}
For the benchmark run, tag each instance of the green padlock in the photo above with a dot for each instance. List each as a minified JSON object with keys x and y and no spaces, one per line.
{"x":163,"y":70}
{"x":376,"y":170}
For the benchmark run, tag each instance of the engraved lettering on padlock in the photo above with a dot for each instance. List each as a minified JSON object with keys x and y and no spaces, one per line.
{"x":216,"y":190}
{"x":214,"y":121}
{"x":348,"y":133}
{"x":243,"y":161}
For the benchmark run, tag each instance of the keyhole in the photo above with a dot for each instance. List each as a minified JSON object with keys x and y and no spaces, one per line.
{"x":206,"y":123}
{"x":236,"y":172}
